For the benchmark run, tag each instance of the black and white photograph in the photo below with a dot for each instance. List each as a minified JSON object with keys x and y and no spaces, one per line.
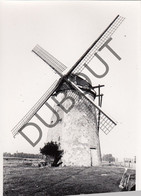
{"x":69,"y":80}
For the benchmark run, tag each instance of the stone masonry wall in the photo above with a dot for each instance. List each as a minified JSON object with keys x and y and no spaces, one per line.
{"x":76,"y":132}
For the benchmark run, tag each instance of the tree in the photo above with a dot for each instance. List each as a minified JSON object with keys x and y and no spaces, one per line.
{"x":109,"y":158}
{"x":52,"y":149}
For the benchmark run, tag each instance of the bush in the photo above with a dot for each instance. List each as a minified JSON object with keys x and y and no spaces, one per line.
{"x":52,"y":149}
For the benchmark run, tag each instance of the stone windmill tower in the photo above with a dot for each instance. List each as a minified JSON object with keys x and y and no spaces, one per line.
{"x":77,"y":131}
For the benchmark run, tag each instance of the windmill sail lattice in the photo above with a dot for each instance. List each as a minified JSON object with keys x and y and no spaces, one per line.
{"x":105,"y":124}
{"x":49,"y":59}
{"x":35,"y":108}
{"x":95,"y":47}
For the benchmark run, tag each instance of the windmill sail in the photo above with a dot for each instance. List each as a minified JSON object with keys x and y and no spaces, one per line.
{"x":94,"y":48}
{"x":35,"y":108}
{"x":49,"y":59}
{"x":106,"y":123}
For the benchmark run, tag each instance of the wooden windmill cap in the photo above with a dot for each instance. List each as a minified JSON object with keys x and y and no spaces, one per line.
{"x":82,"y":83}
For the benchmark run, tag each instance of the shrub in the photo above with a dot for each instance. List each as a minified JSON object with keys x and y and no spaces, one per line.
{"x":52,"y":149}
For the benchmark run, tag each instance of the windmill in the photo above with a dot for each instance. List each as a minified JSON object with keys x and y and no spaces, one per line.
{"x":70,"y":78}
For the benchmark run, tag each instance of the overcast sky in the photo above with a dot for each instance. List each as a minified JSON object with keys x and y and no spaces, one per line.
{"x":66,"y":30}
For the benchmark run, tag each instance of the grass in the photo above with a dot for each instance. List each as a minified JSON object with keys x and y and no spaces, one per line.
{"x":21,"y":179}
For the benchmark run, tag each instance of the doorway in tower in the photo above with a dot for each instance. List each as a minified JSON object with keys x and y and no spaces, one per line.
{"x":94,"y":157}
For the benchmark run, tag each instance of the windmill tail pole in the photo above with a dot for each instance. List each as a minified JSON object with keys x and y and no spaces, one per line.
{"x":93,"y":87}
